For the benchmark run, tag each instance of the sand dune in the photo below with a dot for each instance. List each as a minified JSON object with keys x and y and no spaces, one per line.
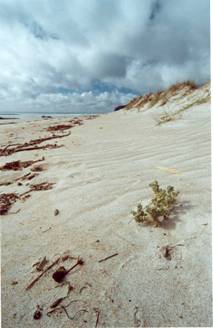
{"x":102,"y":171}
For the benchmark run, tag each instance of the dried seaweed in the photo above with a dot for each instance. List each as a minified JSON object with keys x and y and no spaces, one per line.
{"x":38,"y":168}
{"x":62,"y":127}
{"x":19,"y":165}
{"x":61,"y":272}
{"x":59,"y":127}
{"x":6,"y":183}
{"x":167,"y":252}
{"x":39,"y":187}
{"x":76,"y":121}
{"x":6,"y":201}
{"x":56,"y":212}
{"x":31,"y":145}
{"x":38,"y":313}
{"x":41,"y":264}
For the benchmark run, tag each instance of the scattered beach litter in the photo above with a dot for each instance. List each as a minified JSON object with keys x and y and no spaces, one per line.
{"x":58,"y":276}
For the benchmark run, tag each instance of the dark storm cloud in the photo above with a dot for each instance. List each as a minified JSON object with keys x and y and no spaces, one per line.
{"x":60,"y":52}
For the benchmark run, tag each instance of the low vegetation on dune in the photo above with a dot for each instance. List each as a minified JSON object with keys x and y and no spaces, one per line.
{"x":160,"y":207}
{"x":166,"y":117}
{"x":161,"y":97}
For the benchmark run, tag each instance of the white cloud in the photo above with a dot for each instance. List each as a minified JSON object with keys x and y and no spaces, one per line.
{"x":52,"y":52}
{"x":73,"y":103}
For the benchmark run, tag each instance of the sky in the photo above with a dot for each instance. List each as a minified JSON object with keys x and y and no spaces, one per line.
{"x":92,"y":55}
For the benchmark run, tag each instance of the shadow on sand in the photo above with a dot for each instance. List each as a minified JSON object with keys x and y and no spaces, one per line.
{"x":179,"y":209}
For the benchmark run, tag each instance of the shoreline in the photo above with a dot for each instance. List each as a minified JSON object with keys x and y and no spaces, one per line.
{"x":38,"y":116}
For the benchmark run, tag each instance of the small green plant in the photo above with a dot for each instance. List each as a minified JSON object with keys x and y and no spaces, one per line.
{"x":160,"y":207}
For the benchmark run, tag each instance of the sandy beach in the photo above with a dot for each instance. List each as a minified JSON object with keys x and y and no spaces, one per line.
{"x":101,"y":171}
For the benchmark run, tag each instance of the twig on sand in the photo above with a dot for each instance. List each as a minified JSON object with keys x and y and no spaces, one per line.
{"x":108,"y":257}
{"x":137,"y":322}
{"x":97,"y":317}
{"x":38,"y":277}
{"x":57,"y":302}
{"x":47,"y":229}
{"x":84,"y":287}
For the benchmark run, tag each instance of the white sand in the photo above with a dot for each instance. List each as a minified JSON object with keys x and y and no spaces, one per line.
{"x":100,"y":174}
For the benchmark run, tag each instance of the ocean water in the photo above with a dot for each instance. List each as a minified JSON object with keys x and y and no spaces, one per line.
{"x":37,"y":116}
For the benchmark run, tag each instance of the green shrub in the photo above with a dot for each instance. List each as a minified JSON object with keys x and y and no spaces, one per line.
{"x":160,"y":207}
